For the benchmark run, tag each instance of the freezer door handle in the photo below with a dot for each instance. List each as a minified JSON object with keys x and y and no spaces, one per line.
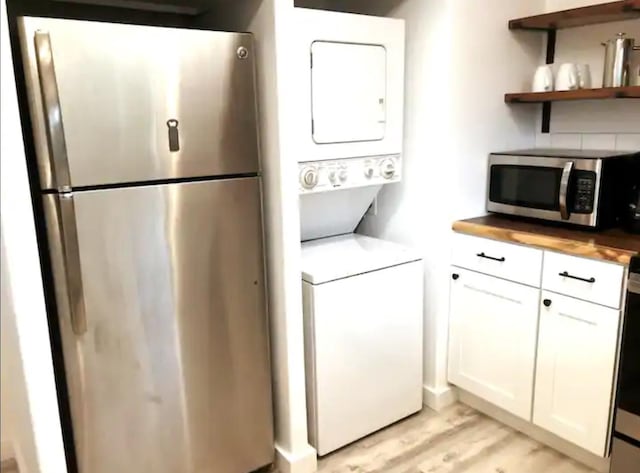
{"x":71,"y":258}
{"x":52,"y":111}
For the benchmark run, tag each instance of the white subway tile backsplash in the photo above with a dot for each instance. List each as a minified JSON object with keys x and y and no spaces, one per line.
{"x":543,"y":140}
{"x":628,"y":142}
{"x":599,"y":141}
{"x":596,"y":116}
{"x":566,"y":140}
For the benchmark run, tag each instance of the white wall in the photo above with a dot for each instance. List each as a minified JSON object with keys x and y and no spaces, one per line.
{"x":15,"y":417}
{"x":557,"y":5}
{"x":461,"y":59}
{"x":272,"y":27}
{"x":22,"y":294}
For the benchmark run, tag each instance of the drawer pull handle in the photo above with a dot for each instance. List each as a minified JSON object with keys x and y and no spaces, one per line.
{"x":565,"y":274}
{"x":547,"y":302}
{"x":455,"y":276}
{"x":482,"y":255}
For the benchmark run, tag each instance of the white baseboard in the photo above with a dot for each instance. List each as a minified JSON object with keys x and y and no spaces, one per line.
{"x":438,"y":399}
{"x":547,"y":438}
{"x":305,"y":461}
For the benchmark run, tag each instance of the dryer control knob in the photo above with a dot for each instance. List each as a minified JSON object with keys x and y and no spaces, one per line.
{"x":333,"y":177}
{"x":388,"y":168}
{"x":309,"y":178}
{"x":343,"y":175}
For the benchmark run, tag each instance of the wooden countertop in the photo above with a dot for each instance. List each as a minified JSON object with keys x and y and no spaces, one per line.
{"x":610,"y":245}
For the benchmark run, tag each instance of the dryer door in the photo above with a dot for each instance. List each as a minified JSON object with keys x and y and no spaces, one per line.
{"x":348,"y":83}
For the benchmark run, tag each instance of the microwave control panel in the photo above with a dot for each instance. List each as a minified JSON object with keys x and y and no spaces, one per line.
{"x":585,"y":189}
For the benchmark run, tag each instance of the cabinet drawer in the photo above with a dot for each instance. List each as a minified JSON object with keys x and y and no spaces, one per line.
{"x":504,"y":260}
{"x":586,"y":279}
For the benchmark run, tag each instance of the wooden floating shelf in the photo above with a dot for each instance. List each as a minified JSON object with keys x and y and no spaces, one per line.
{"x":632,"y":92}
{"x":591,"y":15}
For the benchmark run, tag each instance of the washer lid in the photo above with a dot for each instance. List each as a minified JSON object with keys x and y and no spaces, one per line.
{"x":328,"y":259}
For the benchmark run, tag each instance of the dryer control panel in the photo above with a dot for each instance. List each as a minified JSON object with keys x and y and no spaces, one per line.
{"x":323,"y":176}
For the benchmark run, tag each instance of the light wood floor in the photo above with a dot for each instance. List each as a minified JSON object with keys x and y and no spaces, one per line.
{"x":457,"y":440}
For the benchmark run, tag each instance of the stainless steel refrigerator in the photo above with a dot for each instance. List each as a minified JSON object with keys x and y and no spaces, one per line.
{"x":147,"y":150}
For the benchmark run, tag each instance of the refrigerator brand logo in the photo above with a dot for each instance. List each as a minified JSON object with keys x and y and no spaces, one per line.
{"x":243,"y":53}
{"x":174,"y":135}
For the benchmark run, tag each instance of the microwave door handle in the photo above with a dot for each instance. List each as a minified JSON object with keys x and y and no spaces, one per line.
{"x":564,"y":190}
{"x":52,"y":111}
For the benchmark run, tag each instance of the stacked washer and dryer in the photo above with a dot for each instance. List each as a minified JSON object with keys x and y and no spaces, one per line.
{"x":363,"y":297}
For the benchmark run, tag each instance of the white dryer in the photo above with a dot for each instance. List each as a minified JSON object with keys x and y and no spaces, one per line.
{"x":349,"y":71}
{"x":363,"y":325}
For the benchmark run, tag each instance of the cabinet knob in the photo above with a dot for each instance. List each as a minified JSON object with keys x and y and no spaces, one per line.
{"x":547,"y":302}
{"x":455,"y":276}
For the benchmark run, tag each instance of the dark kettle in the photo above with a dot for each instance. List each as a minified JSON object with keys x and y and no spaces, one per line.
{"x":632,"y":211}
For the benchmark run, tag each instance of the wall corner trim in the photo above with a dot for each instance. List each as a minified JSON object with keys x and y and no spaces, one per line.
{"x":304,"y":461}
{"x":439,"y":398}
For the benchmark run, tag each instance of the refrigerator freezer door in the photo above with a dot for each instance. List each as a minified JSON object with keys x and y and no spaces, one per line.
{"x":139,"y":103}
{"x":172,"y":373}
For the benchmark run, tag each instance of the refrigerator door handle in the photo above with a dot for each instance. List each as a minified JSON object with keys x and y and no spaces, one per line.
{"x":71,"y":258}
{"x":52,"y":111}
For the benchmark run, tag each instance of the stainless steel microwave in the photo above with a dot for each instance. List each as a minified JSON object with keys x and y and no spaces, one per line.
{"x":578,"y":187}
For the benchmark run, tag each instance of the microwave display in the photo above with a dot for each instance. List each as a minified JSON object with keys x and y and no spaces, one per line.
{"x":538,"y":187}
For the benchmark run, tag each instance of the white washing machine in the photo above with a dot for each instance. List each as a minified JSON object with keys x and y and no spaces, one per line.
{"x":363,"y":323}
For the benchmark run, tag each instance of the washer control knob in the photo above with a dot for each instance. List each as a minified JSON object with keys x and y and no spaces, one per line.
{"x":332,"y":176}
{"x":368,"y":171}
{"x":388,"y":168}
{"x":343,"y":175}
{"x":309,"y":177}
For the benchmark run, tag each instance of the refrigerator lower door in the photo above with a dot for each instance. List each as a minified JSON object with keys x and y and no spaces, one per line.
{"x":130,"y":103}
{"x":172,"y":372}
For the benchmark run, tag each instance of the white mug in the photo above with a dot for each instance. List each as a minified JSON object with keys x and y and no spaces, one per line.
{"x":543,"y":79}
{"x":584,"y":76}
{"x":567,"y":77}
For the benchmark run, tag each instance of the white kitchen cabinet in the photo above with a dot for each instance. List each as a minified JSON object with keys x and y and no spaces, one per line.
{"x":577,"y":349}
{"x":492,"y":342}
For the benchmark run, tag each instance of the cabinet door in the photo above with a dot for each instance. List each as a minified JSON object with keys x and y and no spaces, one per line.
{"x":493,"y":339}
{"x":574,"y":376}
